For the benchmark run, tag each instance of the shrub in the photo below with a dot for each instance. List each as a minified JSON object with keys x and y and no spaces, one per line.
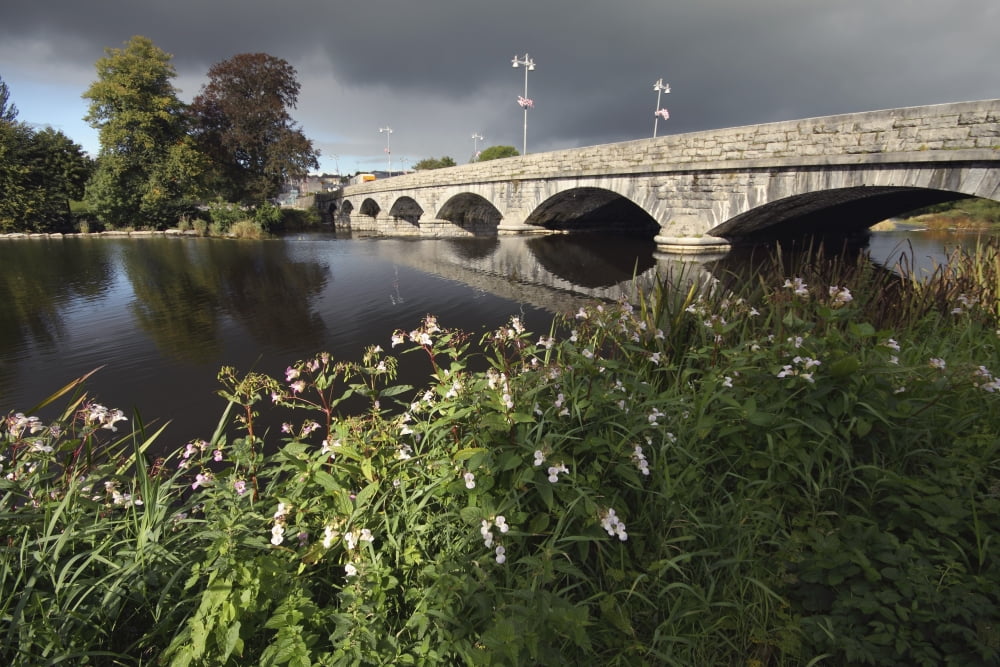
{"x":247,"y":229}
{"x":299,"y":219}
{"x":223,"y":216}
{"x":268,"y":217}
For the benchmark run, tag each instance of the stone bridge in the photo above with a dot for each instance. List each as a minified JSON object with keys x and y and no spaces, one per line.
{"x":702,"y":191}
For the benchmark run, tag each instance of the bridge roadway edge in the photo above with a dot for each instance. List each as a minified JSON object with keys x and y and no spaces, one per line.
{"x":692,"y":183}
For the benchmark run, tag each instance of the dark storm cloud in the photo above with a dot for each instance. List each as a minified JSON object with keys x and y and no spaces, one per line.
{"x":430,"y":66}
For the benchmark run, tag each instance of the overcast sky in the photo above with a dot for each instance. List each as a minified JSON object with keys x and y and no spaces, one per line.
{"x":438,"y":71}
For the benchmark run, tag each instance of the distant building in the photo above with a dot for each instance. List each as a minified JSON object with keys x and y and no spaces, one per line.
{"x":309,"y":185}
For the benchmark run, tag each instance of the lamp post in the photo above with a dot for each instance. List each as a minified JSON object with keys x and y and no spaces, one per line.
{"x":388,"y":131}
{"x":659,"y":87}
{"x":525,"y":103}
{"x":476,"y":138}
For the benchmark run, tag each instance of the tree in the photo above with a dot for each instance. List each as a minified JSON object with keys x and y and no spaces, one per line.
{"x":40,"y":171}
{"x":8,"y":112}
{"x":496,"y":152}
{"x":242,"y":122}
{"x":149,"y":168}
{"x":435,"y":163}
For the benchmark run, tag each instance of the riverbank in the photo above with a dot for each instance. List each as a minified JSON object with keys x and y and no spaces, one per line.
{"x":804,"y":469}
{"x":103,"y":234}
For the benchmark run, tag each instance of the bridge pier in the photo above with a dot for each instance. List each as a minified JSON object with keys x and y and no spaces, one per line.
{"x":685,"y":233}
{"x":514,"y":223}
{"x":691,"y":244}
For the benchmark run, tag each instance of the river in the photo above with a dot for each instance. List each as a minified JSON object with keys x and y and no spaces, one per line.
{"x":160,"y":315}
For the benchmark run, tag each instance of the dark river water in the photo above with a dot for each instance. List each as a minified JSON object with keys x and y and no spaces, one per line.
{"x":161,"y":315}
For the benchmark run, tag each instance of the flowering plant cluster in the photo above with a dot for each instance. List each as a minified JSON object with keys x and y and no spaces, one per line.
{"x":792,"y":473}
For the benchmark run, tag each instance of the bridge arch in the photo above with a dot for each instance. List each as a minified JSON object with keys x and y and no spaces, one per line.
{"x":590,"y":208}
{"x":839,"y":211}
{"x":837,"y":201}
{"x":370,"y":208}
{"x":406,"y":208}
{"x":470,"y":211}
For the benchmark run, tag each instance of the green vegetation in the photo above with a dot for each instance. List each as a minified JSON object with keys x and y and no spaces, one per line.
{"x":40,"y":171}
{"x":435,"y":163}
{"x":148,"y":170}
{"x":970,"y":212}
{"x":497,"y":152}
{"x":159,"y":158}
{"x":801,"y":469}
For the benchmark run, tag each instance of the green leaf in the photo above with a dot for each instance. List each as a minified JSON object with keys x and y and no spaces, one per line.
{"x":539,"y":523}
{"x":845,"y":366}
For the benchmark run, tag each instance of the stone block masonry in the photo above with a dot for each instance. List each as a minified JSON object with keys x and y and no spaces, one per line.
{"x":692,"y":183}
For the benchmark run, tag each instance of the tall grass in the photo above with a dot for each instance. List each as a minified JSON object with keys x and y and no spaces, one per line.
{"x":800,"y":468}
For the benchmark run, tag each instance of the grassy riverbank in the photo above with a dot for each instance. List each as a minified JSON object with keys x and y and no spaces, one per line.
{"x":972,"y":214}
{"x":801,"y":469}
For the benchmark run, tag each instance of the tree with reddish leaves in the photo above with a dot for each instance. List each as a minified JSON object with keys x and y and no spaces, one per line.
{"x":242,"y":123}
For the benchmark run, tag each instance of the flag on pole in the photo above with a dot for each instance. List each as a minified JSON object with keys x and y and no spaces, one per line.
{"x":662,"y":113}
{"x":525,"y":102}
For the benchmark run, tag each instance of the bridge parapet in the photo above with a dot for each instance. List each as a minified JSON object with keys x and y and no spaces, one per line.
{"x":692,"y":183}
{"x":848,"y":137}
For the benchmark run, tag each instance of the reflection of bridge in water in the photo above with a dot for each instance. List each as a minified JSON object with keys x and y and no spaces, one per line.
{"x":553,"y":272}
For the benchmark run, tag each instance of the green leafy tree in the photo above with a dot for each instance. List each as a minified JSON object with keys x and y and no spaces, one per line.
{"x":435,"y":163}
{"x":497,"y":152}
{"x":40,"y":171}
{"x":8,"y":112}
{"x":242,"y":122}
{"x":149,"y":168}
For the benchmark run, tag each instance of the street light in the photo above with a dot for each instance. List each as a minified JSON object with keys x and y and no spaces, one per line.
{"x":660,"y":87}
{"x":476,"y":138}
{"x":388,"y":131}
{"x":525,"y":103}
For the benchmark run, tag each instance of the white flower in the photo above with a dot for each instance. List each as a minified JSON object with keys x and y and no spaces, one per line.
{"x":350,"y":540}
{"x":501,"y":522}
{"x":350,"y":570}
{"x":555,"y":471}
{"x":613,"y":525}
{"x":937,"y":363}
{"x":798,"y":287}
{"x":484,"y":530}
{"x":539,"y":457}
{"x":840,"y":295}
{"x":501,"y":554}
{"x":640,"y":460}
{"x":328,"y":535}
{"x":470,"y":480}
{"x":277,"y":534}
